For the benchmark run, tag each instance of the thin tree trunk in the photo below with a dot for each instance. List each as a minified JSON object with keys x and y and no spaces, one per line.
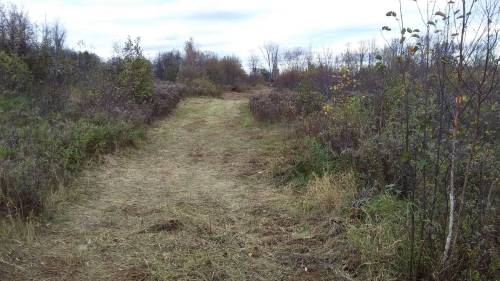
{"x":451,"y":199}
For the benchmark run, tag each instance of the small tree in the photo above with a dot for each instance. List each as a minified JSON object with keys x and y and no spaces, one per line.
{"x":15,"y":77}
{"x":167,"y":65}
{"x":135,"y":77}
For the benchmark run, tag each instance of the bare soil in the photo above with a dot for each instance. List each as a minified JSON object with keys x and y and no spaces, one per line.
{"x":193,"y":203}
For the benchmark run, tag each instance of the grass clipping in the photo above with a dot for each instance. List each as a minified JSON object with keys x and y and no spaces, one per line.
{"x":330,"y":192}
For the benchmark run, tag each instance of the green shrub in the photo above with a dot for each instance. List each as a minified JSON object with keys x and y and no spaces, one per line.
{"x":306,"y":159}
{"x":38,"y":154}
{"x":340,"y":126}
{"x":308,"y":101}
{"x":136,"y":75}
{"x":15,"y":77}
{"x":203,"y":87}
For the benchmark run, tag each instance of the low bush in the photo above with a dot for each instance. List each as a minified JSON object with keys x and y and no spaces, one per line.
{"x":303,"y":161}
{"x":203,"y":87}
{"x":275,"y":106}
{"x":289,"y":79}
{"x":15,"y":76}
{"x":167,"y":96}
{"x":308,"y":100}
{"x":41,"y":152}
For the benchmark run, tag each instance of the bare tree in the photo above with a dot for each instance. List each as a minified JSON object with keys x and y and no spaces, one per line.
{"x":362,"y":53}
{"x":372,"y":52}
{"x":58,"y":37}
{"x":294,"y":59}
{"x":271,"y":55}
{"x":349,"y":59}
{"x":253,"y":64}
{"x":326,"y":59}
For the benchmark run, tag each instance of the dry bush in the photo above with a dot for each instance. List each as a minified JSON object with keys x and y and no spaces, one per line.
{"x":330,"y":192}
{"x":276,"y":106}
{"x":289,"y":79}
{"x":166,"y":97}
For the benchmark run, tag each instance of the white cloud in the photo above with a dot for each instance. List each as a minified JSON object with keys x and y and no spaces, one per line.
{"x":223,"y":26}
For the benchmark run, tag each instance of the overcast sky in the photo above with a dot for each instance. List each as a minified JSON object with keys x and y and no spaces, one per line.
{"x":223,"y":26}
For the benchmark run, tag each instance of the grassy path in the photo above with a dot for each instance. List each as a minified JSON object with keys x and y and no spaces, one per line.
{"x":192,"y":204}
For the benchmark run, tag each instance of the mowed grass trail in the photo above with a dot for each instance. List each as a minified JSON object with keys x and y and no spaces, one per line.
{"x":193,"y":203}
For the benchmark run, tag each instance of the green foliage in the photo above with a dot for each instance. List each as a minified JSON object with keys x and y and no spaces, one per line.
{"x":309,"y":158}
{"x":136,"y":76}
{"x":15,"y":77}
{"x":380,"y":238}
{"x":59,"y":108}
{"x":225,"y":71}
{"x":308,"y":101}
{"x":203,"y":87}
{"x":339,"y":125}
{"x":167,"y":65}
{"x":38,"y":154}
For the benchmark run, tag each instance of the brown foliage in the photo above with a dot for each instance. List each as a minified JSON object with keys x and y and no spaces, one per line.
{"x":276,"y":106}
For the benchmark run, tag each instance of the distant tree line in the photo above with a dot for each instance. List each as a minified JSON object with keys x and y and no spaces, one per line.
{"x":193,"y":64}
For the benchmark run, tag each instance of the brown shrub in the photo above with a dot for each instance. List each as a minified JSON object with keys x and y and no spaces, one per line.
{"x":276,"y":106}
{"x":289,"y":79}
{"x":166,"y":97}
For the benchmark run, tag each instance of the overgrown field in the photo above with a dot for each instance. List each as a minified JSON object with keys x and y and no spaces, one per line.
{"x":404,"y":143}
{"x":347,"y":158}
{"x":60,"y":107}
{"x":41,"y":152}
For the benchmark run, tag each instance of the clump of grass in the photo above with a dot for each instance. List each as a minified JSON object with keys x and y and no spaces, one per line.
{"x":380,"y":239}
{"x":302,"y":161}
{"x":330,"y":192}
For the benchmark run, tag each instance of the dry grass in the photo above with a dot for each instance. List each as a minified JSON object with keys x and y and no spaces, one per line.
{"x":192,"y":204}
{"x":330,"y":192}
